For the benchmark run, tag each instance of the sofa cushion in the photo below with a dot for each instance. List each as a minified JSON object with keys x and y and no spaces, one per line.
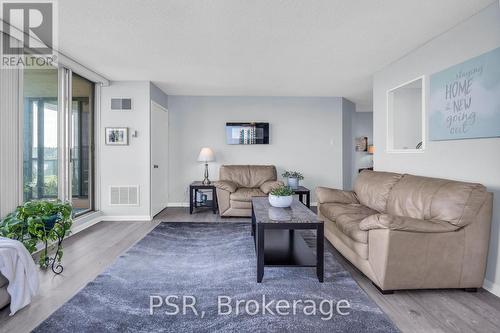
{"x":240,"y":204}
{"x":436,"y":199}
{"x":349,"y":225}
{"x":334,"y":210}
{"x":246,"y":194}
{"x":248,"y":175}
{"x":347,"y":219}
{"x":373,"y":188}
{"x":270,"y":185}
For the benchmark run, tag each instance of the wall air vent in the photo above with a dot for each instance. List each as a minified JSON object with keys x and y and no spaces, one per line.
{"x":121,"y":104}
{"x":124,"y":196}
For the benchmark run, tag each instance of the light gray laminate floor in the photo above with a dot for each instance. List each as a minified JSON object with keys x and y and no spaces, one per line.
{"x":90,"y":251}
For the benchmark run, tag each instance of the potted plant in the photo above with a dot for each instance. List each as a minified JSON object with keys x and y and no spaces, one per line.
{"x":40,"y":222}
{"x":293,"y":178}
{"x":281,"y":197}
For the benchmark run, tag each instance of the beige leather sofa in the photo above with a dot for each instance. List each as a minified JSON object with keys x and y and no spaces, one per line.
{"x":410,"y":232}
{"x":4,"y":295}
{"x":239,"y":183}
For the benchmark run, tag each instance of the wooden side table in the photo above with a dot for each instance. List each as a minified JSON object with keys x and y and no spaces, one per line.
{"x":194,"y":188}
{"x":303,"y":191}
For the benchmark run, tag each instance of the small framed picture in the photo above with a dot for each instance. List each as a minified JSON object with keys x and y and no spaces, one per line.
{"x":117,"y":136}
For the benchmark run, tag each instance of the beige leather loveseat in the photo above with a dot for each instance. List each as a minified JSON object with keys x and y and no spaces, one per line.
{"x":239,"y":183}
{"x":410,"y":232}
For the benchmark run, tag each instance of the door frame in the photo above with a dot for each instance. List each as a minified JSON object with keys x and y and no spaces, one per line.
{"x":156,"y":105}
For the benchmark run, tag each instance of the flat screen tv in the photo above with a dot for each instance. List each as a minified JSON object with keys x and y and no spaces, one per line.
{"x":247,"y":133}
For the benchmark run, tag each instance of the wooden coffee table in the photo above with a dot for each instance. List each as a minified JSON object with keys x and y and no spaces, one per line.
{"x":277,"y":243}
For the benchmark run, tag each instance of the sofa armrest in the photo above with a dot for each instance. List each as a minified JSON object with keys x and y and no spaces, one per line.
{"x":270,"y":185}
{"x":227,"y":185}
{"x":402,"y":223}
{"x":325,"y":194}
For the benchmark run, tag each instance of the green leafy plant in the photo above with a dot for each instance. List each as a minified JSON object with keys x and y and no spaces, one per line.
{"x":292,"y":174}
{"x":40,"y":222}
{"x":282,"y":191}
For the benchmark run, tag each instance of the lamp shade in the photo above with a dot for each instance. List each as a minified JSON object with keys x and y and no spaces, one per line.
{"x":371,"y":149}
{"x":206,"y":155}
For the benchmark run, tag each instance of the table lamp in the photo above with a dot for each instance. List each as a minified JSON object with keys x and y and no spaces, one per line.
{"x":206,"y":155}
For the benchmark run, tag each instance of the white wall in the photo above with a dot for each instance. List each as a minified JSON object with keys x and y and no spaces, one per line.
{"x":305,"y":135}
{"x":475,"y":160}
{"x":126,"y":165}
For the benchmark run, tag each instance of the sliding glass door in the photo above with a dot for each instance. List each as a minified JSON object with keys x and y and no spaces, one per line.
{"x":82,"y":134}
{"x":45,"y":172}
{"x":40,"y":131}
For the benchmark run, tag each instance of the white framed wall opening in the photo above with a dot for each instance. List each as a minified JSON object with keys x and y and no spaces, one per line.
{"x":406,"y":117}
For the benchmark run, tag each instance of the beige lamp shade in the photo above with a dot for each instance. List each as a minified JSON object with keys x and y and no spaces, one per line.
{"x":371,"y":149}
{"x":206,"y":155}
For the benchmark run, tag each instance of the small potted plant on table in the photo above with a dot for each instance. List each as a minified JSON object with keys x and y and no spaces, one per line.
{"x":281,"y":197}
{"x":293,"y":177}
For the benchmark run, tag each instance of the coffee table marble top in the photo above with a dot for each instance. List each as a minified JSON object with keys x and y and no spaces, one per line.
{"x":296,"y":213}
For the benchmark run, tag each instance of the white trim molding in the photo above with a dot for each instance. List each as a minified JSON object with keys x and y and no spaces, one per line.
{"x":492,"y":287}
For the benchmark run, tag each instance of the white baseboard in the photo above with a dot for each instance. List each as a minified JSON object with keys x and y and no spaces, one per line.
{"x":178,"y":204}
{"x":492,"y":287}
{"x":126,"y":218}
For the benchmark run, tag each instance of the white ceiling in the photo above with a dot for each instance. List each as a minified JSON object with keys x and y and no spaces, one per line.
{"x":253,"y":47}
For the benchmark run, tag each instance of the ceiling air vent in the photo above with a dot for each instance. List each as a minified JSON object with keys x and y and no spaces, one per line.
{"x":124,"y":195}
{"x":121,"y":104}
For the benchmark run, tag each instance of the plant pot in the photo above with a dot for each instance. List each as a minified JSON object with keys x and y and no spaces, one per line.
{"x":280,"y":201}
{"x":293,"y":183}
{"x":50,"y":221}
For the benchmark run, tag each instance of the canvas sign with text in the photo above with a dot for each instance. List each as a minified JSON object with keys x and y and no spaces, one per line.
{"x":465,"y":99}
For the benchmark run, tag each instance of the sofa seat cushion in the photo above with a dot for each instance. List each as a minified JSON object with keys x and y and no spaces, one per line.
{"x":347,"y":219}
{"x":246,"y":194}
{"x":240,"y":204}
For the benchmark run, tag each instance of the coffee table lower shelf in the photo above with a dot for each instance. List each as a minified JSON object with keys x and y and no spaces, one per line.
{"x":285,"y":248}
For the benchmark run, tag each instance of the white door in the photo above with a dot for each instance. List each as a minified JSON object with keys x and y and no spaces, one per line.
{"x":159,"y":158}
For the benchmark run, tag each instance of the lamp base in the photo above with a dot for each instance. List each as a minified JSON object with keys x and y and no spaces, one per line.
{"x":206,"y":181}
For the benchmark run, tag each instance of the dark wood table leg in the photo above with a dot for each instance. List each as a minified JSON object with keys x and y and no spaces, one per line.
{"x":308,"y":199}
{"x":301,"y":197}
{"x":214,"y":200}
{"x":190,"y":200}
{"x":260,"y":252}
{"x":320,"y":242}
{"x":253,"y":225}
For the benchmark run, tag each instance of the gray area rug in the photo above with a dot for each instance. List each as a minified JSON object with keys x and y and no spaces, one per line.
{"x":204,"y":261}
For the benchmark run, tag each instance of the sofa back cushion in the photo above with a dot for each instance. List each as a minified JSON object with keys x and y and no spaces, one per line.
{"x":436,"y":199}
{"x":248,"y":175}
{"x":373,"y":187}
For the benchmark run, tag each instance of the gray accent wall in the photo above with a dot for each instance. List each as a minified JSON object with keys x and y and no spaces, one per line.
{"x":348,"y":109}
{"x":305,"y":135}
{"x":158,"y":96}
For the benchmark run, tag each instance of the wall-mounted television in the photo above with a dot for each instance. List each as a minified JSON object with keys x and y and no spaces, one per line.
{"x":247,"y":133}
